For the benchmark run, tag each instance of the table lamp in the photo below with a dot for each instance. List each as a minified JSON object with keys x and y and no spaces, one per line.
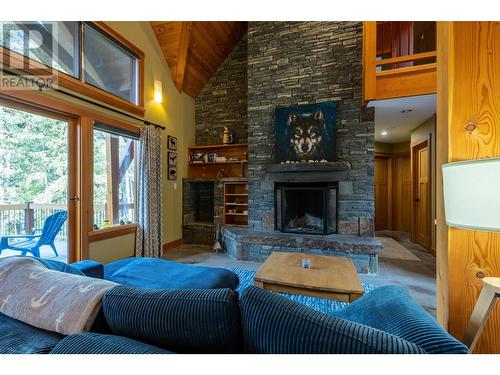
{"x":472,"y":201}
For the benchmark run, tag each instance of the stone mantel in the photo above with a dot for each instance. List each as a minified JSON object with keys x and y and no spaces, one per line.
{"x":307,"y":167}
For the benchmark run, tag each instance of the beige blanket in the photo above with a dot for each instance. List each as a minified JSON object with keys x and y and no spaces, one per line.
{"x":48,"y":299}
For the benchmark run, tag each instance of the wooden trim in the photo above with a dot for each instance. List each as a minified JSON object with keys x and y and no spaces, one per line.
{"x":119,"y":230}
{"x":172,"y":245}
{"x":235,"y":145}
{"x":407,"y":70}
{"x":182,"y":54}
{"x":413,"y":57}
{"x":369,"y":59}
{"x":414,"y":145}
{"x":444,"y":32}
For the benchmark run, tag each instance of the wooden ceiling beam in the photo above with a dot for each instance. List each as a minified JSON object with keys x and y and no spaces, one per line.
{"x":183,"y":53}
{"x":195,"y":50}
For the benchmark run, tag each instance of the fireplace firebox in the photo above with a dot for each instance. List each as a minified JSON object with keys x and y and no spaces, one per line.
{"x":306,"y":208}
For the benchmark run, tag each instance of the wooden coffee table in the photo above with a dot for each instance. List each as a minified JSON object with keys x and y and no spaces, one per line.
{"x":328,"y":277}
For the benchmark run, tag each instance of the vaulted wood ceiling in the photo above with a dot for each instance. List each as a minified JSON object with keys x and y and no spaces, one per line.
{"x":195,"y":50}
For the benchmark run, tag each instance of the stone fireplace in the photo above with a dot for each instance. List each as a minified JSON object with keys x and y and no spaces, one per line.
{"x":307,"y":208}
{"x":284,"y":64}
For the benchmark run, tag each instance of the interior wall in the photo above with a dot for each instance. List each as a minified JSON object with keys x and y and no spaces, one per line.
{"x":420,"y":133}
{"x":467,"y":93}
{"x":223,"y":100}
{"x":177,"y":114}
{"x":392,"y":148}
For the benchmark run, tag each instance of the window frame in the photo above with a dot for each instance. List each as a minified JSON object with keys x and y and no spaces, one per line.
{"x":117,"y":229}
{"x":78,"y":85}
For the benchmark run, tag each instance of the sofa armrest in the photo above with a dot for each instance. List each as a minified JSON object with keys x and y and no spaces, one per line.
{"x":274,"y":324}
{"x":95,"y":343}
{"x":90,"y":268}
{"x":391,"y":309}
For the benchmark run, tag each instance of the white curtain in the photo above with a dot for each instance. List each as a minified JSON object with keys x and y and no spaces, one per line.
{"x":149,"y":197}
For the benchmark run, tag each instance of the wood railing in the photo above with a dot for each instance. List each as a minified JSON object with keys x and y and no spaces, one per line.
{"x":395,"y":76}
{"x":17,"y":219}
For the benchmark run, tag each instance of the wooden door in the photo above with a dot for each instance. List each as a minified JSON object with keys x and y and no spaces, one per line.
{"x":421,"y":176}
{"x":381,"y":193}
{"x":401,"y":206}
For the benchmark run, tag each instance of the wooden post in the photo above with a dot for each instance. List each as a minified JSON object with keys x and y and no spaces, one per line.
{"x":468,"y":93}
{"x":29,"y":218}
{"x":113,"y":179}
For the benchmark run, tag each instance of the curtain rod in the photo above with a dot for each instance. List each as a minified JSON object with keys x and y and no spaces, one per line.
{"x":41,"y":86}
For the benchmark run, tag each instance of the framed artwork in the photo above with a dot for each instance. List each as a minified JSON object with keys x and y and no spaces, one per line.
{"x":172,"y":172}
{"x":306,"y":133}
{"x":172,"y":143}
{"x":172,"y":158}
{"x":212,"y":157}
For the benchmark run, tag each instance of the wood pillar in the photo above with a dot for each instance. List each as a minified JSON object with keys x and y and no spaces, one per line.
{"x":468,"y":127}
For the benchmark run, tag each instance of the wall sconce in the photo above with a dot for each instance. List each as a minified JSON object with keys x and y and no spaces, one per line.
{"x":158,"y":95}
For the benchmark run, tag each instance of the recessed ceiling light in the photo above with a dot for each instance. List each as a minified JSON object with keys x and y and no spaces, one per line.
{"x":384,"y":132}
{"x":408,"y":110}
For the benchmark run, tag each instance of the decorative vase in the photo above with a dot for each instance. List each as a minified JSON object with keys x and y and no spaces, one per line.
{"x":227,"y":136}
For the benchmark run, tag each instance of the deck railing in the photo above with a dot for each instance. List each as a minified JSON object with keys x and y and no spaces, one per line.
{"x":17,"y":219}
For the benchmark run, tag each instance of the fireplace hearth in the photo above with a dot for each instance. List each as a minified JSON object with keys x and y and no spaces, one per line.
{"x":307,"y":208}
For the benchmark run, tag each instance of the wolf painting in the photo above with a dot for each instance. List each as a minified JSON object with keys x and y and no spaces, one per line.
{"x":306,"y":133}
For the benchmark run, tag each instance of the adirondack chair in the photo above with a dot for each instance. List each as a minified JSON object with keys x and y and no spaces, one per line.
{"x":38,"y":237}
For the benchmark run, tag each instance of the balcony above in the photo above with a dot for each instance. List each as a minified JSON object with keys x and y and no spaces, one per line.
{"x":399,"y":59}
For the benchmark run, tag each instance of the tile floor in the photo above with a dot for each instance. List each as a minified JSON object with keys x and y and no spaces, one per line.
{"x":419,"y":277}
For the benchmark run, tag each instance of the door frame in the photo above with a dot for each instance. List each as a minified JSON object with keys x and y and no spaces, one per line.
{"x":388,"y":158}
{"x":414,"y":182}
{"x":74,"y":169}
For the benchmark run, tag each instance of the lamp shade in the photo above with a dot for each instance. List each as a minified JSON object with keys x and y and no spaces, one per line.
{"x":472,"y":194}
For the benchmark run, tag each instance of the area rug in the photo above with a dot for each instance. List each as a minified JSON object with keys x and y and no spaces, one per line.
{"x":327,"y":306}
{"x":394,"y":250}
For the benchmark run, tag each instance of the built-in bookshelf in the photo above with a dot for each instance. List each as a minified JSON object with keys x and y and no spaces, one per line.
{"x":218,"y":161}
{"x":236,"y":203}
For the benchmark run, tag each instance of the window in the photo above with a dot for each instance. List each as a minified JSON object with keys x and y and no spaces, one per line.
{"x":89,"y":52}
{"x":108,"y":65}
{"x":55,"y":44}
{"x":114,"y":176}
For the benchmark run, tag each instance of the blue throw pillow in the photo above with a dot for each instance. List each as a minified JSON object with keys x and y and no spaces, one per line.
{"x":181,"y":321}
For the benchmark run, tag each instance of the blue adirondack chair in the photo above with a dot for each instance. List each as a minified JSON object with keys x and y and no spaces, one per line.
{"x":39,"y":237}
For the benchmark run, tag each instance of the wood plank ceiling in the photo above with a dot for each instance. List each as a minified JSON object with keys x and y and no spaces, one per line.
{"x":195,"y":50}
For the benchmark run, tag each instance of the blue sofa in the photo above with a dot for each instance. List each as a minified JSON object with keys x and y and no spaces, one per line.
{"x":161,"y":321}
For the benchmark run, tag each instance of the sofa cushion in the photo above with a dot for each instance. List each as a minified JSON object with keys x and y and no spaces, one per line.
{"x":17,"y":337}
{"x":391,"y":309}
{"x":164,"y":274}
{"x":94,"y":343}
{"x":182,"y":321}
{"x":48,"y":299}
{"x":273,"y":324}
{"x":90,"y":268}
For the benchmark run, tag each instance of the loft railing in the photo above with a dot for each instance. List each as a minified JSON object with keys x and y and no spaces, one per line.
{"x":399,"y":59}
{"x":17,"y":219}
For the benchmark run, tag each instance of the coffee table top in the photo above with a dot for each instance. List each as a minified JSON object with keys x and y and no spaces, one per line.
{"x":326,"y":273}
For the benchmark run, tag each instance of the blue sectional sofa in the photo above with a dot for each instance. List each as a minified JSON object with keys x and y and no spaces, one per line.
{"x":161,"y":321}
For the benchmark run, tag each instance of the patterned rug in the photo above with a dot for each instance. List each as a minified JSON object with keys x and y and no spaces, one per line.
{"x":319,"y":304}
